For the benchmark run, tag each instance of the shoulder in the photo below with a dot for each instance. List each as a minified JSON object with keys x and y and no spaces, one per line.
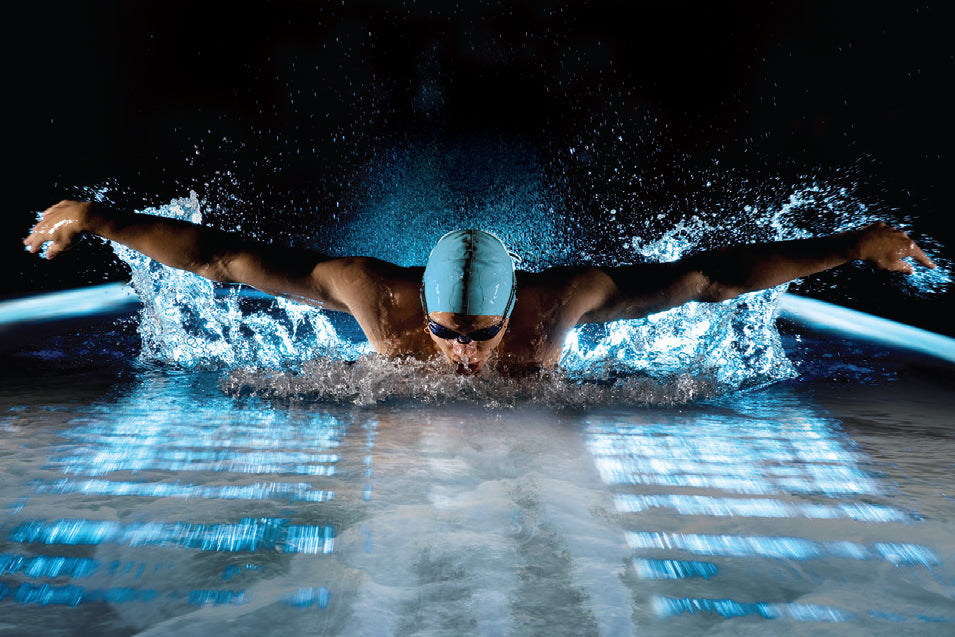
{"x":559,"y":296}
{"x":357,"y":284}
{"x":557,"y":280}
{"x":569,"y":284}
{"x":363,"y":269}
{"x":590,"y":294}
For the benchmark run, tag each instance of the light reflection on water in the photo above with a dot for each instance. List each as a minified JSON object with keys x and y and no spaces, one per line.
{"x":172,"y":497}
{"x":814,"y":503}
{"x":129,"y":460}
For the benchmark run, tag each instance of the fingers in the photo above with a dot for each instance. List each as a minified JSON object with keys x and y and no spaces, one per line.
{"x":34,"y":242}
{"x":39,"y":234}
{"x":48,"y":231}
{"x":921,"y":257}
{"x":913,"y":251}
{"x":904,"y":267}
{"x":53,"y":250}
{"x":896,"y":248}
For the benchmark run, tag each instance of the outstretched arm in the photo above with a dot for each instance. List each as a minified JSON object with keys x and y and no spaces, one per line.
{"x":211,"y":253}
{"x":719,"y":275}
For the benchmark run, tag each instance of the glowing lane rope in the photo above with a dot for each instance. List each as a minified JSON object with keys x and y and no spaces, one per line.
{"x":116,"y":297}
{"x":89,"y":301}
{"x":842,"y":319}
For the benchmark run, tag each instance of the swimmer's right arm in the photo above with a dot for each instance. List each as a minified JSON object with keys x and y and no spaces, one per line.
{"x":214,"y":254}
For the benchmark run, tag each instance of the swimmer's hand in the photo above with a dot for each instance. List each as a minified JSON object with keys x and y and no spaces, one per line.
{"x":60,"y":226}
{"x":887,"y":248}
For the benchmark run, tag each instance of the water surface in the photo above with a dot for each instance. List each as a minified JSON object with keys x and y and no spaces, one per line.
{"x":138,"y":499}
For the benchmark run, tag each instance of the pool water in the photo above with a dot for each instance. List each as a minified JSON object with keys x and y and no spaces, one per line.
{"x":136,"y":498}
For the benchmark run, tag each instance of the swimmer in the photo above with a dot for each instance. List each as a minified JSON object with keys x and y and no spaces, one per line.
{"x":468,"y":304}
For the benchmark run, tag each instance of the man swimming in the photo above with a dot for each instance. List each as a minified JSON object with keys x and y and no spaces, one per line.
{"x":469,"y":304}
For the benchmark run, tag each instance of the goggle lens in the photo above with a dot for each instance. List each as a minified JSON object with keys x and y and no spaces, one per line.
{"x":484,"y":334}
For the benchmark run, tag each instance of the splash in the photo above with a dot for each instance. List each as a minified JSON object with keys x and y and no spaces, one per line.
{"x":281,"y":349}
{"x":371,"y":380}
{"x":192,"y":322}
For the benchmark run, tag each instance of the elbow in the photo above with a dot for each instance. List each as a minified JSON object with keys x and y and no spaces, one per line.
{"x":703,"y":283}
{"x":214,"y":271}
{"x":217,"y":257}
{"x":715,"y":285}
{"x":715,"y":292}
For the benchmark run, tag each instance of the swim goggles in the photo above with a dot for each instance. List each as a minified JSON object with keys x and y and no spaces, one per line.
{"x":483,"y":334}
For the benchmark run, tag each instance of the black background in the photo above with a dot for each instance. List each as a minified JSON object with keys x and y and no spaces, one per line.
{"x":293,"y":97}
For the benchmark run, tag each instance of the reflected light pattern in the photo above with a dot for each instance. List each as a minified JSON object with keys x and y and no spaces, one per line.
{"x":216,"y":451}
{"x":759,"y":508}
{"x":291,"y":491}
{"x":246,"y":535}
{"x":680,"y":481}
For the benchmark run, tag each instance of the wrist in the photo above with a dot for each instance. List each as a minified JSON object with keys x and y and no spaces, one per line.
{"x":95,"y":218}
{"x":851,"y":245}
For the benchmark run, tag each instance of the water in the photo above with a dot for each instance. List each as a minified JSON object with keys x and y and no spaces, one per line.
{"x":138,"y":497}
{"x":210,"y":459}
{"x":207,"y":459}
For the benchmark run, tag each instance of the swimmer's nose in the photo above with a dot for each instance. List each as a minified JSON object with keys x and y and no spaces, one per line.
{"x":461,"y":349}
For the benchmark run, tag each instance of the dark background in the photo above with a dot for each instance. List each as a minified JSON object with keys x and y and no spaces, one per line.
{"x":283,"y":103}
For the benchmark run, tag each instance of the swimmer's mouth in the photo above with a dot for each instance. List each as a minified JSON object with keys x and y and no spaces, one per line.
{"x":467,"y":370}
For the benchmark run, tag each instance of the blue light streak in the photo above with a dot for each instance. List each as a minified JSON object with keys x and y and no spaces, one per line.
{"x":776,"y":547}
{"x":249,"y":534}
{"x":215,"y":597}
{"x":211,"y":427}
{"x":73,"y":595}
{"x":758,"y":507}
{"x":291,"y":491}
{"x":97,"y":462}
{"x":835,"y":318}
{"x":750,"y":479}
{"x":728,"y":608}
{"x":308,"y":597}
{"x":673,"y":569}
{"x":69,"y":304}
{"x":48,"y":565}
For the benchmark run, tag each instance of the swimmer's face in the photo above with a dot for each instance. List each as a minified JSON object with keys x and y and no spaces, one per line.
{"x":467,"y":357}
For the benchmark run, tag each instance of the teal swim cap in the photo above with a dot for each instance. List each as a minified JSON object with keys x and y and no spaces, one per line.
{"x":469,"y":272}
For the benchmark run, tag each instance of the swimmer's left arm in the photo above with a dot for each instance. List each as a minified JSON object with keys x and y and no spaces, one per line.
{"x":719,"y":275}
{"x":730,"y":272}
{"x":350,"y":284}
